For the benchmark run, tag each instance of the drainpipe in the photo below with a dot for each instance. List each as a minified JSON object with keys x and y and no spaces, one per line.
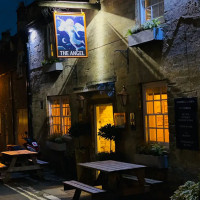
{"x":29,"y":94}
{"x":13,"y":107}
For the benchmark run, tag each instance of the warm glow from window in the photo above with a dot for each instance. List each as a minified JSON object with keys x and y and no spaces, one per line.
{"x":52,"y":54}
{"x":60,"y":115}
{"x":104,"y":115}
{"x":156,"y":115}
{"x":153,"y":9}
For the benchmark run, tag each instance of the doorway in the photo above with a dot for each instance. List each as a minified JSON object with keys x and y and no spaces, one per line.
{"x":103,"y":116}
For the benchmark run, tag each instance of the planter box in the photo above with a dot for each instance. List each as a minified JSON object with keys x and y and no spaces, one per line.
{"x":57,"y":66}
{"x":145,"y":36}
{"x":55,"y":146}
{"x":152,"y":161}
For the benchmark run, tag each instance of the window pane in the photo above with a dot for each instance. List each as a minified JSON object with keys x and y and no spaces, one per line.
{"x":160,"y":135}
{"x":166,"y":135}
{"x":152,"y":133}
{"x":149,"y":94}
{"x":149,"y":107}
{"x":159,"y":121}
{"x":164,"y":96}
{"x":156,"y":96}
{"x":152,"y":121}
{"x":164,"y":107}
{"x":157,"y":107}
{"x":166,"y":124}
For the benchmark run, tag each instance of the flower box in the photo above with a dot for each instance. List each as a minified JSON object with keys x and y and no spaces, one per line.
{"x":56,"y":146}
{"x":151,"y":160}
{"x":145,"y":36}
{"x":57,"y":66}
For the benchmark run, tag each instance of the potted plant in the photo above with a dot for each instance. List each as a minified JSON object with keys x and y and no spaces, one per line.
{"x":190,"y":190}
{"x":56,"y":142}
{"x":110,"y":132}
{"x":152,"y":155}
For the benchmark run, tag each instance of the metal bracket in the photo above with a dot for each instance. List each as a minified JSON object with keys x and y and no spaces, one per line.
{"x":125,"y":53}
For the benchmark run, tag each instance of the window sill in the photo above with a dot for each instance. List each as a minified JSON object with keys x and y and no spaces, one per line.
{"x":145,"y":36}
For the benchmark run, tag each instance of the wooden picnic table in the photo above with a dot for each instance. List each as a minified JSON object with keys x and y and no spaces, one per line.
{"x":110,"y":176}
{"x":19,"y":161}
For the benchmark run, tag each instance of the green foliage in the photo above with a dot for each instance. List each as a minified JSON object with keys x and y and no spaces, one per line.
{"x":147,"y":25}
{"x":109,"y":132}
{"x":79,"y":128}
{"x":152,"y":149}
{"x":57,"y":138}
{"x":189,"y":191}
{"x":50,"y":61}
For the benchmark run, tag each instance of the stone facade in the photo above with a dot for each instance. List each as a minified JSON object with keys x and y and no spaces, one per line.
{"x":175,"y":60}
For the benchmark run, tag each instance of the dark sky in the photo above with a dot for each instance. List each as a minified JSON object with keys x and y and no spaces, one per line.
{"x":8,"y":15}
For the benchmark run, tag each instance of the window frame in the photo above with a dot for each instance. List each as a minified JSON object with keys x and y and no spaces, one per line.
{"x":146,"y":86}
{"x":143,"y":15}
{"x":61,"y":99}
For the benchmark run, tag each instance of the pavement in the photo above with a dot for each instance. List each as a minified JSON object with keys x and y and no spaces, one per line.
{"x":28,"y":187}
{"x":25,"y":187}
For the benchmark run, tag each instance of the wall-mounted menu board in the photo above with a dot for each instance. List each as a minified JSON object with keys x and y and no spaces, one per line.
{"x":186,"y":123}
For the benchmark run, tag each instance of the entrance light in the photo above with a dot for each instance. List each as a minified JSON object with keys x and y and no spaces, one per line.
{"x":123,"y":96}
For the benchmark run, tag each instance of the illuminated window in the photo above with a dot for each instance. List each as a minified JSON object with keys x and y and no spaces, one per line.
{"x":59,"y":115}
{"x":151,"y":9}
{"x":156,"y":113}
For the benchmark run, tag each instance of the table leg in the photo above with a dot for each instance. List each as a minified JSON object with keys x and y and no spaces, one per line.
{"x":140,"y":173}
{"x":7,"y":173}
{"x":77,"y":194}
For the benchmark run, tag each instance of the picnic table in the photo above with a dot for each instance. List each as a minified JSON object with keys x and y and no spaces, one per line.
{"x":111,"y":178}
{"x":19,"y":161}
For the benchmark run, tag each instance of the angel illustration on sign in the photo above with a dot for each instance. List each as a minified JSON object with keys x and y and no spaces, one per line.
{"x":72,"y":30}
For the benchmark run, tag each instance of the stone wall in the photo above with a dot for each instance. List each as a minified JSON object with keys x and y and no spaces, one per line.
{"x":181,"y":67}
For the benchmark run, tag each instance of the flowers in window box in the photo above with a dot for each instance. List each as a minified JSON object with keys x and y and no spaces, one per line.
{"x":152,"y":149}
{"x":50,"y":61}
{"x":147,"y":25}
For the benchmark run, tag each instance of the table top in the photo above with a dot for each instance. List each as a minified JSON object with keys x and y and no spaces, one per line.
{"x":111,"y":165}
{"x":18,"y":153}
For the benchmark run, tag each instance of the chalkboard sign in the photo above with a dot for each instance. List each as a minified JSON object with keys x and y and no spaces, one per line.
{"x":186,"y":123}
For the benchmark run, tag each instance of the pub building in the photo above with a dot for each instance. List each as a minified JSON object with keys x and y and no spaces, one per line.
{"x":147,"y":82}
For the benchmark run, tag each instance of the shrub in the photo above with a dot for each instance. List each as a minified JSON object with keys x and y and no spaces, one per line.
{"x":152,"y":149}
{"x":57,"y":138}
{"x":109,"y":132}
{"x":189,"y":191}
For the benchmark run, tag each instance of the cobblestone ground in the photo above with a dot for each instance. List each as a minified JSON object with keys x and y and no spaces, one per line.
{"x":26,"y":187}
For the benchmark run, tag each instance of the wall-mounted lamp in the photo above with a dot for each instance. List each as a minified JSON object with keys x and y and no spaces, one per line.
{"x":81,"y":101}
{"x":123,"y":96}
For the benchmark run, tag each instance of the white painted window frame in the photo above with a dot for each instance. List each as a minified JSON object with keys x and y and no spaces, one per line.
{"x":144,"y":88}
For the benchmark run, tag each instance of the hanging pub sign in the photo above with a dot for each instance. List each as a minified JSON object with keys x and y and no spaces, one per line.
{"x":70,"y":32}
{"x":186,"y":122}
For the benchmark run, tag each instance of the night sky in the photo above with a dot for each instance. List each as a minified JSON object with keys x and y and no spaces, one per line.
{"x":8,"y":15}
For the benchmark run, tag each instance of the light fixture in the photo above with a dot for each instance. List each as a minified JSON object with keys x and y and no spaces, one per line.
{"x":123,"y":96}
{"x":81,"y":101}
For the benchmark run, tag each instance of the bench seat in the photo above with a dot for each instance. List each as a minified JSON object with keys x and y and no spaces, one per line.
{"x":82,"y":186}
{"x":40,"y":162}
{"x":147,"y":180}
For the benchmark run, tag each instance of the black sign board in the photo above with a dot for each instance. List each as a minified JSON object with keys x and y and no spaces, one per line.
{"x":186,"y":123}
